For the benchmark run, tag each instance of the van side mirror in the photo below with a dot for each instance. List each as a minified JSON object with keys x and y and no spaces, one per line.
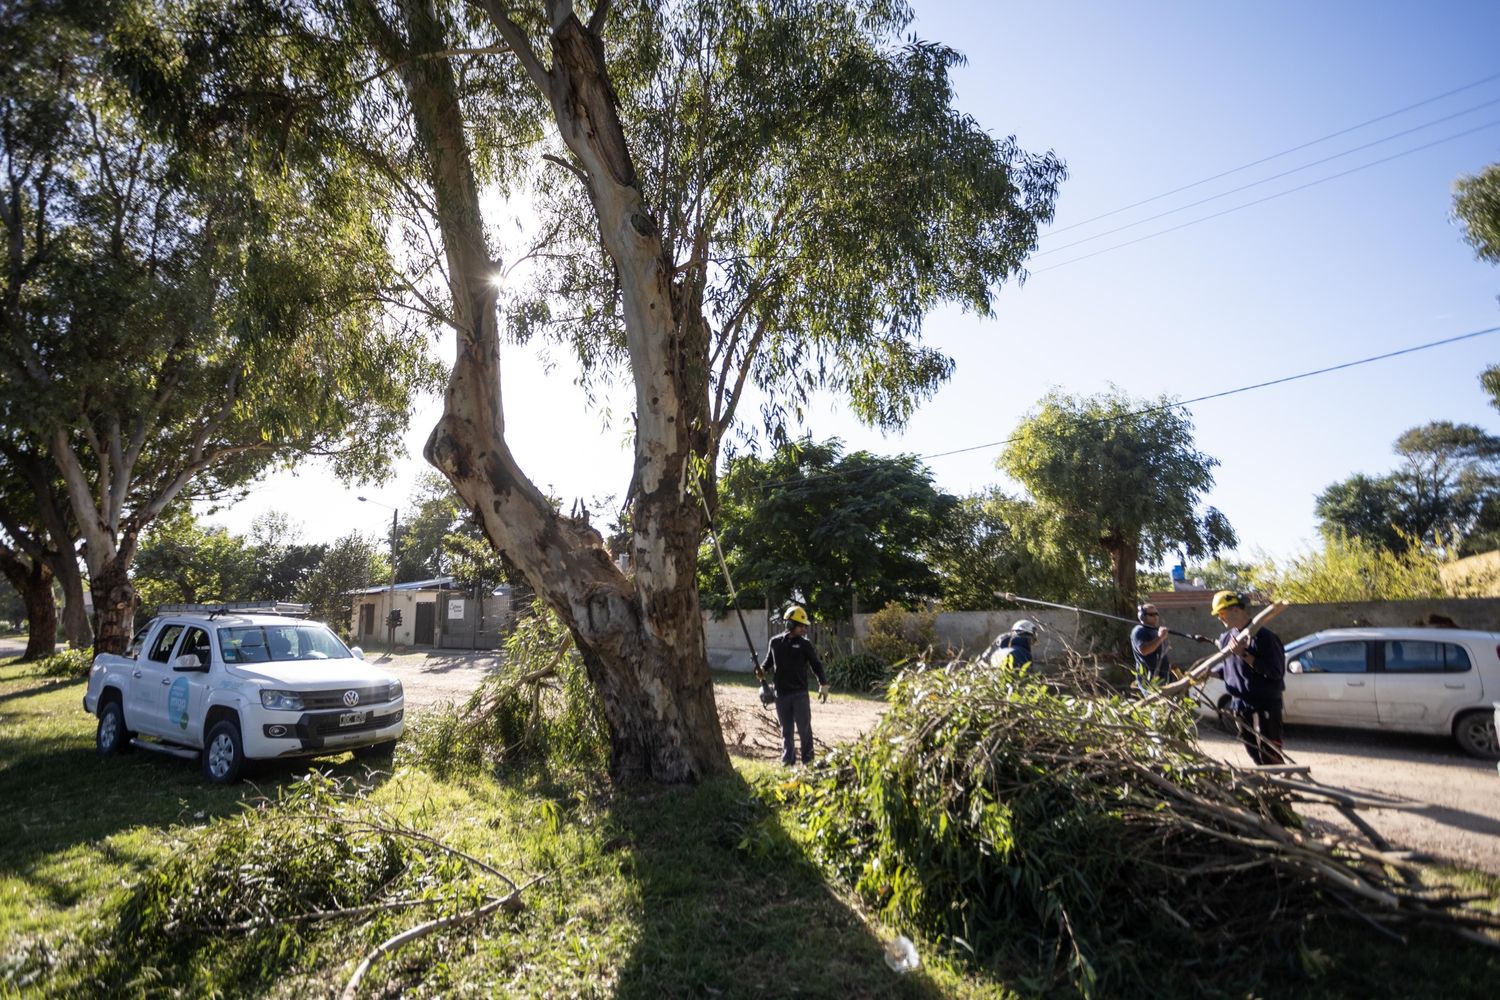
{"x":189,"y":661}
{"x":1294,"y":667}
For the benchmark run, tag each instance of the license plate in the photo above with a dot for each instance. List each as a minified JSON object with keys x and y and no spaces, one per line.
{"x":351,"y":718}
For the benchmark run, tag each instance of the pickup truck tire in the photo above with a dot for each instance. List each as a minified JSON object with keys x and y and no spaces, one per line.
{"x":223,"y":754}
{"x":1475,"y":732}
{"x":111,"y":737}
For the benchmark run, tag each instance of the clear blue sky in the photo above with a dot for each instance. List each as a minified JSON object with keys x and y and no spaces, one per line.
{"x":1139,"y":99}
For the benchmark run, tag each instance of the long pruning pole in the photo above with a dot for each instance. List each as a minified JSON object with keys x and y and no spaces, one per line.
{"x":734,"y":598}
{"x":1016,"y":598}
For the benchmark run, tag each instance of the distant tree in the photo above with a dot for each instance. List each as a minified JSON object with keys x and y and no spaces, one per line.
{"x":1476,"y":207}
{"x":430,"y":514}
{"x":184,"y":561}
{"x":351,"y":563}
{"x":1110,"y":473}
{"x":827,"y":528}
{"x":1371,"y":509}
{"x":986,"y":545}
{"x":282,"y":561}
{"x":1445,"y":492}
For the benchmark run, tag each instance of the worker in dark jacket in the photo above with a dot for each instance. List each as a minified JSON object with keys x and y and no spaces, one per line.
{"x":788,"y":658}
{"x":1255,"y":676}
{"x":1148,"y":645}
{"x":1015,"y":648}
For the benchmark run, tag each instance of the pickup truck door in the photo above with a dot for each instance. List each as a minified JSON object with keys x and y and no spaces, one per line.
{"x":1334,"y":687}
{"x":187,"y":688}
{"x":1422,"y":683}
{"x":146,"y":704}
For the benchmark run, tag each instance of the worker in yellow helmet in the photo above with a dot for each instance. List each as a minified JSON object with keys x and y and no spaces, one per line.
{"x":788,"y":658}
{"x":1254,"y":675}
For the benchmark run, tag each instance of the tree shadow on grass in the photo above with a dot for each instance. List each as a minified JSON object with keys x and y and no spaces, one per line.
{"x":731,"y":906}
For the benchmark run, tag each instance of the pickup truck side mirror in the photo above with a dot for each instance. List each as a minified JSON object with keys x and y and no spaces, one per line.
{"x":1294,"y":667}
{"x":359,"y":654}
{"x":189,"y":661}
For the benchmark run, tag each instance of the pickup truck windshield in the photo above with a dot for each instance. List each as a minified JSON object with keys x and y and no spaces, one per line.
{"x":259,"y":643}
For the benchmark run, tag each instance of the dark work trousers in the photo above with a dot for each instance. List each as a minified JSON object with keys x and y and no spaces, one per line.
{"x":1260,"y":731}
{"x":795,"y":710}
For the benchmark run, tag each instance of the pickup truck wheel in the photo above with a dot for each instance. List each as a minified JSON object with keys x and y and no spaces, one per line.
{"x":1475,"y":732}
{"x":111,"y":737}
{"x":223,"y":753}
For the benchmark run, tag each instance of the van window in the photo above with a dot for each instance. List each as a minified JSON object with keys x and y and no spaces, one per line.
{"x":1334,"y":658}
{"x":1421,"y":657}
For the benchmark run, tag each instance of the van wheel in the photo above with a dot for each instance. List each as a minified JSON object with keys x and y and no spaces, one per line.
{"x":111,"y":737}
{"x":223,"y":754}
{"x":1475,"y":732}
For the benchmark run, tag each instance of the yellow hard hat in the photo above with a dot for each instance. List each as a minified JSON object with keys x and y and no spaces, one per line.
{"x":1227,"y":599}
{"x":796,"y":615}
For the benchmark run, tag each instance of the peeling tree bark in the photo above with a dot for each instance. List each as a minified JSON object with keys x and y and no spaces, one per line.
{"x":641,"y":638}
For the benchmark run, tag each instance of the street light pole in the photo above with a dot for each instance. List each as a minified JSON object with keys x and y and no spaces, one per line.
{"x":390,"y":609}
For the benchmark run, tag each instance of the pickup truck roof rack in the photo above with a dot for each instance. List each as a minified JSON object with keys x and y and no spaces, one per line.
{"x":288,"y":608}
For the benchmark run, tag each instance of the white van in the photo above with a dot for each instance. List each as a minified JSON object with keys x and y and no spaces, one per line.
{"x":1414,"y":680}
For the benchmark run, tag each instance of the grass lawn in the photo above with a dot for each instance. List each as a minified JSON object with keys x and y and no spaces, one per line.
{"x":704,"y":891}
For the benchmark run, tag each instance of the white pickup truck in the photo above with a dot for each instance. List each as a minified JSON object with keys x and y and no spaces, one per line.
{"x":228,"y":686}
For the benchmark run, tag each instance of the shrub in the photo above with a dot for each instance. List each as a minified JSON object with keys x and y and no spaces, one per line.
{"x":73,"y":664}
{"x":859,"y":672}
{"x":540,"y":709}
{"x":894,"y":634}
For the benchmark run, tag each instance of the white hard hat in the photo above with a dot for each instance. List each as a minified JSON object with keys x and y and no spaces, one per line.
{"x":1025,"y":625}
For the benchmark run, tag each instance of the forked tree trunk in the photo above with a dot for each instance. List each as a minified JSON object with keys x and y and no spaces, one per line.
{"x":33,"y":581}
{"x":641,"y":638}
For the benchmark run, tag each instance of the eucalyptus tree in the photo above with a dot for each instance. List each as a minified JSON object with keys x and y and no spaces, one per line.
{"x":725,"y":195}
{"x":179,"y":312}
{"x":730,"y":194}
{"x":1110,"y":473}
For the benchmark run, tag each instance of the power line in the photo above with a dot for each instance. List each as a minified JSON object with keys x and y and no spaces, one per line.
{"x":1267,"y":180}
{"x":1255,"y":385}
{"x":1271,"y":197}
{"x":1160,"y":407}
{"x":1273,"y":156}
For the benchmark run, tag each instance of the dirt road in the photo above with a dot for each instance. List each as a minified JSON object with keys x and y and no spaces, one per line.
{"x":1452,"y":801}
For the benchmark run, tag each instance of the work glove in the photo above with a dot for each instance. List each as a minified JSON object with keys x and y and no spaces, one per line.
{"x":823,"y":693}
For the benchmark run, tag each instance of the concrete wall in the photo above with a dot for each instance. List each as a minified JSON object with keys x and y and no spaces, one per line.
{"x":726,"y":640}
{"x":969,"y":632}
{"x":406,"y":603}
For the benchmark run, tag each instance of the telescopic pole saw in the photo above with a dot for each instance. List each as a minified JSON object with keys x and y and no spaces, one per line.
{"x":1017,"y":599}
{"x":766,"y":695}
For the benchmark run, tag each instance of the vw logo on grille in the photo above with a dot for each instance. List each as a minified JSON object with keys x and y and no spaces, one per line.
{"x":351,"y":698}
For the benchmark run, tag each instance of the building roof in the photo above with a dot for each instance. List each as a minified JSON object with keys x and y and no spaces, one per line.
{"x":438,"y":583}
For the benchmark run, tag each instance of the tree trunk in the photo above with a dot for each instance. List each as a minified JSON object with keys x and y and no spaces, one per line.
{"x":1124,"y":552}
{"x":75,"y":614}
{"x":32,"y":579}
{"x":641,"y":640}
{"x":114,"y":606}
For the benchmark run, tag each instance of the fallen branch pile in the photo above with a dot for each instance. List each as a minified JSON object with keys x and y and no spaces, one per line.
{"x":1091,"y":833}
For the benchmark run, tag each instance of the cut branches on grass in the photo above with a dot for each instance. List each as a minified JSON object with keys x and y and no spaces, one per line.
{"x":1091,"y":833}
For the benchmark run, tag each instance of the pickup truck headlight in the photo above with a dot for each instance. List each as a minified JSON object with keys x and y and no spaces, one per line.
{"x":394,"y":691}
{"x":281,"y":701}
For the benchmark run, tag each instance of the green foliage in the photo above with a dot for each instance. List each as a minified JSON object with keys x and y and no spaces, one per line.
{"x":183,"y":561}
{"x":1347,"y":568}
{"x":72,"y":664}
{"x":1122,"y":475}
{"x":538,"y":711}
{"x":894,"y":635}
{"x":859,"y":672}
{"x":1476,"y":207}
{"x":989,"y":543}
{"x":830,"y":527}
{"x":1447,"y":486}
{"x":351,"y":563}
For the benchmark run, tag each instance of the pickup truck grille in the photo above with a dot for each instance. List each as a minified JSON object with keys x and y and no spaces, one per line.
{"x":334,"y":698}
